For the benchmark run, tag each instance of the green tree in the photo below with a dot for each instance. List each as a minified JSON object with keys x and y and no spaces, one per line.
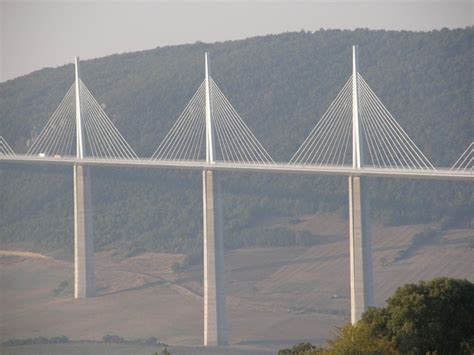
{"x":359,"y":340}
{"x":434,"y":316}
{"x":164,"y":352}
{"x":299,"y":349}
{"x":349,"y":339}
{"x":176,"y":268}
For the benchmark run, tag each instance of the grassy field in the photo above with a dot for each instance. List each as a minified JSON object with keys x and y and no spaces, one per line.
{"x":276,"y":296}
{"x":80,"y":349}
{"x":119,"y":349}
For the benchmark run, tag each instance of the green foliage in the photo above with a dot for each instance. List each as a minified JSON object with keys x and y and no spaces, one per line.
{"x":61,"y":287}
{"x":267,"y":237}
{"x":281,"y":85}
{"x":164,"y":352}
{"x":117,"y":339}
{"x":434,"y":316}
{"x":176,"y":267}
{"x":38,"y":340}
{"x":358,"y":340}
{"x":299,"y":349}
{"x":112,"y":339}
{"x":151,"y":341}
{"x":349,"y":339}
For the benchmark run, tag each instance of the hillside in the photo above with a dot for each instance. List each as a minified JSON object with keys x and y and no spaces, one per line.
{"x":281,"y":85}
{"x":276,"y":296}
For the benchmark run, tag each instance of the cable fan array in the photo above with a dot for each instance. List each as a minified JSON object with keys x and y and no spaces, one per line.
{"x":386,"y":143}
{"x":58,"y":135}
{"x":465,"y":161}
{"x":235,"y":142}
{"x":5,"y":149}
{"x":185,"y":139}
{"x":101,"y":139}
{"x":328,"y":142}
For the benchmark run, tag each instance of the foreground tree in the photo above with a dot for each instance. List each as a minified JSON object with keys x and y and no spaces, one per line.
{"x":434,"y":317}
{"x":348,"y":340}
{"x":300,"y":349}
{"x":358,"y":340}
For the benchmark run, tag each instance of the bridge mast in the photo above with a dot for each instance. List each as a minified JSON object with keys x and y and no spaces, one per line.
{"x":209,"y":123}
{"x":215,"y":320}
{"x":79,"y":146}
{"x":356,"y":146}
{"x":359,"y":228}
{"x":84,"y":277}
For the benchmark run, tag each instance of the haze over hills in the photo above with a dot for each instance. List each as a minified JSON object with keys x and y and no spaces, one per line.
{"x":280,"y":85}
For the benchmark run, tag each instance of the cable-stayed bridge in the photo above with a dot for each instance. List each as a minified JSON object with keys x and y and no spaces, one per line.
{"x":454,"y":174}
{"x":327,"y":150}
{"x":356,"y":137}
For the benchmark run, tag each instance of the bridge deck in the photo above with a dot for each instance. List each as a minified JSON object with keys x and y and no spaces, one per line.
{"x":436,"y":174}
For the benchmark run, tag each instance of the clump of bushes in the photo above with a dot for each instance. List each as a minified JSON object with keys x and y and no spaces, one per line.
{"x":116,"y":339}
{"x":38,"y":340}
{"x":61,"y":287}
{"x":112,"y":339}
{"x":109,"y":338}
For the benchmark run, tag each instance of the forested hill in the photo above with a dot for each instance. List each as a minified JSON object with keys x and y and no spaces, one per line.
{"x":280,"y":85}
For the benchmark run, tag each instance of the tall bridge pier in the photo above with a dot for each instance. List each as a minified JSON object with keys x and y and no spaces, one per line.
{"x":215,"y":320}
{"x":360,"y":249}
{"x":359,"y":227}
{"x":84,"y":276}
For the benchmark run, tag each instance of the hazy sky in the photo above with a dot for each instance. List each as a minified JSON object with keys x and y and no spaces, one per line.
{"x":38,"y":34}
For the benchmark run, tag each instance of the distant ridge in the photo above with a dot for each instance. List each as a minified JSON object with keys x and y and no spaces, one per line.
{"x":280,"y":85}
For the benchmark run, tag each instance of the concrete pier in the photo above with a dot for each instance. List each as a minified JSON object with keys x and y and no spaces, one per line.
{"x":84,"y":277}
{"x":215,"y":320}
{"x":360,"y":249}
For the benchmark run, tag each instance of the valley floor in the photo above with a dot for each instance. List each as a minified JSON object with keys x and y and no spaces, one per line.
{"x":276,"y":296}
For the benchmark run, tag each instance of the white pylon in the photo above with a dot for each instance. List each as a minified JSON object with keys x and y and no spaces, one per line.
{"x":356,"y":134}
{"x":209,"y":123}
{"x":79,"y":145}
